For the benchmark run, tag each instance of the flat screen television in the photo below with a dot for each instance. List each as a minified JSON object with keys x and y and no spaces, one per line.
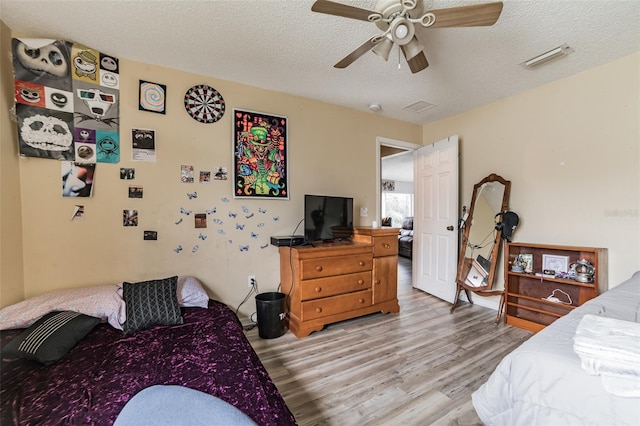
{"x":327,"y":218}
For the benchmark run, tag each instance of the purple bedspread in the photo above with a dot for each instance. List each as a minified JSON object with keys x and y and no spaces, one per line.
{"x":92,"y":383}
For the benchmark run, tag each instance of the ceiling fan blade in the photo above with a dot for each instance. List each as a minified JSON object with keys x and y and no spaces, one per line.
{"x":418,"y":62}
{"x":477,"y":15}
{"x":340,"y":9}
{"x":364,"y":48}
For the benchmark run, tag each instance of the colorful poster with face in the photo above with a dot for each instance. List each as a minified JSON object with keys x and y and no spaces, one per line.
{"x":56,"y":80}
{"x":260,"y":146}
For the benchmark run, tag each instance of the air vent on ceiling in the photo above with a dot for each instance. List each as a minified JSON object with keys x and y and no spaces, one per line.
{"x":419,"y":106}
{"x":546,"y":57}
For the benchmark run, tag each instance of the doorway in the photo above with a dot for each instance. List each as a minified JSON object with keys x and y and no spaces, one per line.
{"x":394,"y":177}
{"x":395,"y":192}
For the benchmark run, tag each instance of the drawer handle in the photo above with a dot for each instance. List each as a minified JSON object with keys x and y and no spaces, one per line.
{"x":361,"y":300}
{"x":377,"y":281}
{"x":387,"y":245}
{"x":319,"y":268}
{"x":360,"y":281}
{"x":318,"y":310}
{"x":318,"y":289}
{"x":361,"y":263}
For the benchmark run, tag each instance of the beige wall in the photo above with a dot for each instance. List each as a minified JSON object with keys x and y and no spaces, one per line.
{"x":11,"y":266}
{"x":572,"y":152}
{"x":331,"y":150}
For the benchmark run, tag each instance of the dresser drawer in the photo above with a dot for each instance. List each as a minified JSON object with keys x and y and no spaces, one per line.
{"x":329,"y":266}
{"x":385,"y":246}
{"x":330,"y":286}
{"x":327,"y":306}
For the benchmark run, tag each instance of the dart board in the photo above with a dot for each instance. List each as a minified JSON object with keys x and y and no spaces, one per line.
{"x":204,"y":103}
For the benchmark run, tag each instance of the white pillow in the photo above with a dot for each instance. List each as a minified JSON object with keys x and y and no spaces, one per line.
{"x":191,"y":293}
{"x":102,"y":302}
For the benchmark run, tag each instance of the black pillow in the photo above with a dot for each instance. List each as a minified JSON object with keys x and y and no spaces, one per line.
{"x":151,"y":303}
{"x":51,"y":337}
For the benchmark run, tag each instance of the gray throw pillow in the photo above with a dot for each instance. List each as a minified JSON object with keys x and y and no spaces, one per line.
{"x":150,"y":303}
{"x":51,"y":337}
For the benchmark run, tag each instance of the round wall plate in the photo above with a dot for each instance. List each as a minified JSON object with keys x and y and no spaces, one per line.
{"x":204,"y":103}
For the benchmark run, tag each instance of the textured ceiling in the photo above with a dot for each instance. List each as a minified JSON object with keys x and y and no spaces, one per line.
{"x":282,"y":45}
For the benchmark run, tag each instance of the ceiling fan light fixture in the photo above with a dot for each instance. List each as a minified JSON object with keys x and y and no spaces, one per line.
{"x":401,"y":31}
{"x":383,"y":48}
{"x":546,"y":57}
{"x":411,"y":49}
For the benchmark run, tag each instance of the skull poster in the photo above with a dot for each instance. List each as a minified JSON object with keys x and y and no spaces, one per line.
{"x":67,"y":101}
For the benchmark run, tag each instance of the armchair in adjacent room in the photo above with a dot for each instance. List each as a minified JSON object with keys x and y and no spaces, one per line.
{"x":405,"y":238}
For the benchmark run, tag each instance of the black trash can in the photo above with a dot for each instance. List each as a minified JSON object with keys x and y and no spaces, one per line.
{"x":270,"y":308}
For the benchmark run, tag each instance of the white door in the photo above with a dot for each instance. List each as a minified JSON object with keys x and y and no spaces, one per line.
{"x":435,"y":227}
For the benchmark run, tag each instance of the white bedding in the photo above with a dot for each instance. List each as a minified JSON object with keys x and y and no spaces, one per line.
{"x":542,"y":382}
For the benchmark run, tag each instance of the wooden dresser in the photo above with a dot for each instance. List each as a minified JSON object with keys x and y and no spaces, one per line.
{"x":332,"y":282}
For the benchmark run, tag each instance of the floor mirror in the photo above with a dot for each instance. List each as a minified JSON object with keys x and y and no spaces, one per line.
{"x":481,"y":239}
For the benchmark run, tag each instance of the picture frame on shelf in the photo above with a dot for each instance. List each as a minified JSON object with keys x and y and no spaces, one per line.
{"x":559,"y":264}
{"x":527,"y":263}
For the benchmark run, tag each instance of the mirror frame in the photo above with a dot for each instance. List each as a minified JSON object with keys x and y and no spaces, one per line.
{"x":487,"y":289}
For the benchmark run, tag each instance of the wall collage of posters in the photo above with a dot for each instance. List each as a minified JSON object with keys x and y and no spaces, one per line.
{"x":67,"y":109}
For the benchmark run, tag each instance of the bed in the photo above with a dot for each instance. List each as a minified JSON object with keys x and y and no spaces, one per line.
{"x":206,"y":351}
{"x":543,"y":382}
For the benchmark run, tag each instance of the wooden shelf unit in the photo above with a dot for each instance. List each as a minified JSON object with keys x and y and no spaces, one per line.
{"x":332,"y":282}
{"x":525,"y":294}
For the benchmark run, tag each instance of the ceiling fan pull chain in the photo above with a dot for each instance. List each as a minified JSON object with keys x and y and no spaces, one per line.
{"x":399,"y":59}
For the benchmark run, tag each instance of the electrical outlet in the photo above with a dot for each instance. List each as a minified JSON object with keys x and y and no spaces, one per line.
{"x":251,"y":281}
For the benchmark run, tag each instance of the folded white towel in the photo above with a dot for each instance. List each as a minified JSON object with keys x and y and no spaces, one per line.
{"x":610,"y":348}
{"x":609,"y":337}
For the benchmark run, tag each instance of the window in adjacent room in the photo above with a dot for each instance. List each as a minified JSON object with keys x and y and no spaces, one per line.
{"x":397,"y":206}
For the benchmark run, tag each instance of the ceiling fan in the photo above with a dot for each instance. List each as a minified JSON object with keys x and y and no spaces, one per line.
{"x":394,"y":18}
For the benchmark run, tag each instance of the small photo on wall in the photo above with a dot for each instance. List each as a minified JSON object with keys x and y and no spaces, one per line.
{"x":221,"y":173}
{"x":152,"y":97}
{"x":135,"y":192}
{"x":78,"y":213}
{"x":201,"y":220}
{"x":151,"y":235}
{"x":77,"y":179}
{"x":129,"y":217}
{"x":186,"y":173}
{"x":205,"y":176}
{"x":127,"y":173}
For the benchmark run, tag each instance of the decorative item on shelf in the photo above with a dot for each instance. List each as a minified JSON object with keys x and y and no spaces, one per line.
{"x":518,"y":265}
{"x":584,"y":271}
{"x":553,"y":298}
{"x":555,"y":263}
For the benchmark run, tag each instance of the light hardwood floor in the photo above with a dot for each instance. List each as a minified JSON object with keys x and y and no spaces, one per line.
{"x":418,"y":367}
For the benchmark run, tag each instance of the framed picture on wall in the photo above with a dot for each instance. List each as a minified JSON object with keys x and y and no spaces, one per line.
{"x":260,"y":155}
{"x":152,"y":97}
